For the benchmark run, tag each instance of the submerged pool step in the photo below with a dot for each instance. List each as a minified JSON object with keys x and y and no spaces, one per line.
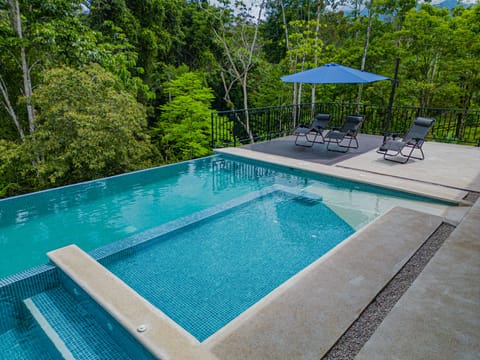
{"x":71,"y":329}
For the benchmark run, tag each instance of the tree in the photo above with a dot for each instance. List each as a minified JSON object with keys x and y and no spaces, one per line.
{"x":17,"y":42}
{"x":16,"y":171}
{"x":238,"y":36}
{"x":396,"y":10}
{"x":184,"y":128}
{"x":39,"y":35}
{"x":462,"y":66}
{"x":88,"y":127}
{"x":423,"y":41}
{"x":461,"y":70}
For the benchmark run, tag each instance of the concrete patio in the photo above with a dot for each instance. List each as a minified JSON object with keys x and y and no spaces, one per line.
{"x":438,"y":317}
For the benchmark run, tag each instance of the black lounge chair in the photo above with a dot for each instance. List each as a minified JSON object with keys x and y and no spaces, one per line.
{"x":315,"y":129}
{"x":348,"y":132}
{"x":414,"y":139}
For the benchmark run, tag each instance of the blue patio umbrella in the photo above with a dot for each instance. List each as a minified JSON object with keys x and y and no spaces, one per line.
{"x":333,"y":74}
{"x":338,"y":74}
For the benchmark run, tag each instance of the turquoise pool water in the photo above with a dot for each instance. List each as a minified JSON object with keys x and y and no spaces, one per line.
{"x":206,"y":274}
{"x":97,"y":213}
{"x":100,"y":212}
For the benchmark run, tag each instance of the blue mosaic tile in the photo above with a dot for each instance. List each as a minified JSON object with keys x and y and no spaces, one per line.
{"x":15,"y":288}
{"x":26,"y":341}
{"x":129,"y":246}
{"x":111,"y":327}
{"x":209,"y":271}
{"x":76,"y":327}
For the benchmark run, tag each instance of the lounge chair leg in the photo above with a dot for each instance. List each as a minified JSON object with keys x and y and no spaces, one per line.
{"x":308,"y":144}
{"x":347,"y":147}
{"x":415,"y":157}
{"x":392,"y":158}
{"x":339,"y":146}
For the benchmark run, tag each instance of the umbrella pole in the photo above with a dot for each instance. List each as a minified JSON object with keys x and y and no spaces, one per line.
{"x":390,"y":103}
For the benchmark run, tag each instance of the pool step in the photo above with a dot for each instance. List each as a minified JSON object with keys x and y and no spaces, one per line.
{"x":359,"y":208}
{"x":71,"y":329}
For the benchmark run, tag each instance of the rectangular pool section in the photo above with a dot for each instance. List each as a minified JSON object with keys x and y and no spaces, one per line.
{"x":202,"y":240}
{"x":207,"y":273}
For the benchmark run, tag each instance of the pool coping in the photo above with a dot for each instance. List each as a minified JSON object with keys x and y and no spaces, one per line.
{"x":439,"y":315}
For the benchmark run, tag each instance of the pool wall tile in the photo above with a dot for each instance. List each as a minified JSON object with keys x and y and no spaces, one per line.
{"x":117,"y":332}
{"x":15,"y":288}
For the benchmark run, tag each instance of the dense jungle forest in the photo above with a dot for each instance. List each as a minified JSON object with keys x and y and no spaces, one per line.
{"x":95,"y":88}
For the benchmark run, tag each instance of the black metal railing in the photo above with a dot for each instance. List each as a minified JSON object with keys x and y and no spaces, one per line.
{"x":236,"y":127}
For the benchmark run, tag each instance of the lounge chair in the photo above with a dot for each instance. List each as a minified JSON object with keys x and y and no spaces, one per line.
{"x":414,"y":139}
{"x":347,"y":133}
{"x":315,"y":129}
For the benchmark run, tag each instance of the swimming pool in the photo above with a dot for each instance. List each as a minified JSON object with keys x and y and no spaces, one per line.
{"x":206,"y":274}
{"x":100,"y":212}
{"x":129,"y":208}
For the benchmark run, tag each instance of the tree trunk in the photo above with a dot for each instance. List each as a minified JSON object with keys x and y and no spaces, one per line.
{"x":239,"y":66}
{"x":365,"y":49}
{"x":10,"y":110}
{"x":246,"y":69}
{"x":295,"y":85}
{"x":315,"y":59}
{"x":27,"y":83}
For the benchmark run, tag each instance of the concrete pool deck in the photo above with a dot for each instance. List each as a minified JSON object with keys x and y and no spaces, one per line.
{"x":438,"y":317}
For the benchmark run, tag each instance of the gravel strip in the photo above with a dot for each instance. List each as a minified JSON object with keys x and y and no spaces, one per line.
{"x":350,"y":343}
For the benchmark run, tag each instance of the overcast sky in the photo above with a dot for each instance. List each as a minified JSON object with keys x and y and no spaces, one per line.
{"x":254,"y":4}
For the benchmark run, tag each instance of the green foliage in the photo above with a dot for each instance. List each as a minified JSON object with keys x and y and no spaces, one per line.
{"x":304,"y":46}
{"x":88,"y":127}
{"x":266,"y":87}
{"x":184,"y":128}
{"x":166,"y":58}
{"x":439,"y":57}
{"x":16,"y":171}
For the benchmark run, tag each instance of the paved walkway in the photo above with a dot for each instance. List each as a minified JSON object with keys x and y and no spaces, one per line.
{"x":439,"y":315}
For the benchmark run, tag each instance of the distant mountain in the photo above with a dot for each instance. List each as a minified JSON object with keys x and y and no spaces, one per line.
{"x":445,"y":4}
{"x":450,"y":4}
